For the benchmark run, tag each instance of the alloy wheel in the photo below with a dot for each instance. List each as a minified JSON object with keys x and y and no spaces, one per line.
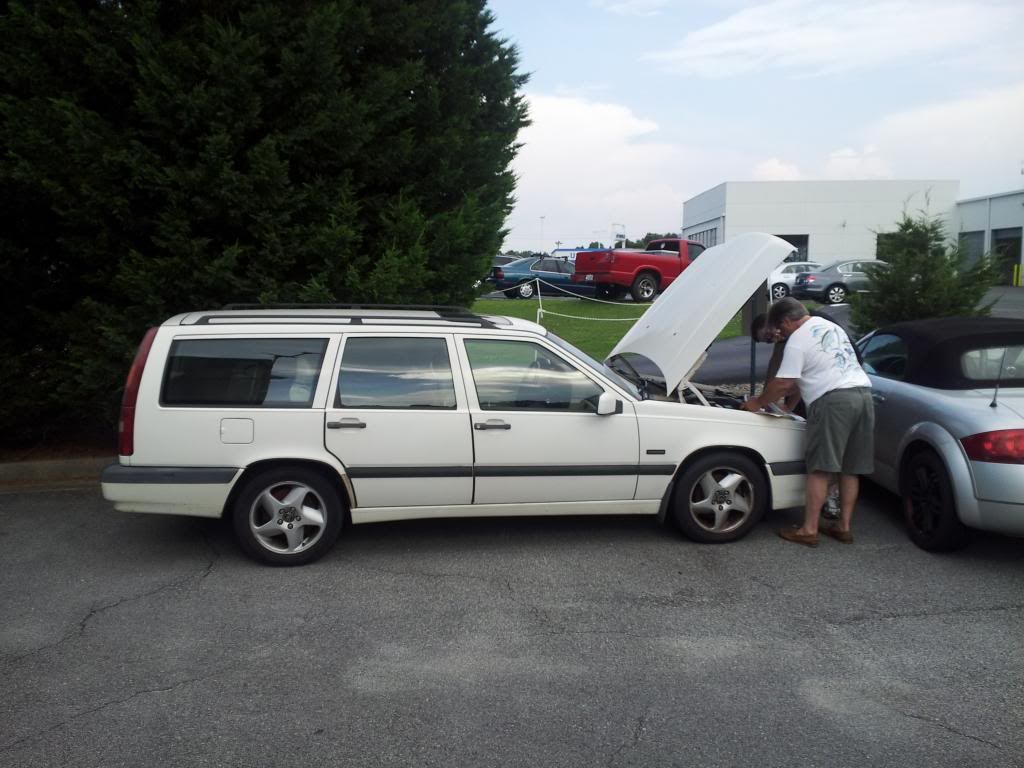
{"x":287,"y":518}
{"x":721,"y":500}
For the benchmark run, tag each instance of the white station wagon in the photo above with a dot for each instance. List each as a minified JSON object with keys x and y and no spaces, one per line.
{"x":296,"y":422}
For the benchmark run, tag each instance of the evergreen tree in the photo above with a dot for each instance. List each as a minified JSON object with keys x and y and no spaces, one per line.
{"x":924,"y":276}
{"x":163,"y":156}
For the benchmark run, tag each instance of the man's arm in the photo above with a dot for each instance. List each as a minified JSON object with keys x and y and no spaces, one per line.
{"x":773,"y":390}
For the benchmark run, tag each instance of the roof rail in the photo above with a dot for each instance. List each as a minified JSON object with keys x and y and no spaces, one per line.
{"x":439,"y":308}
{"x":447,"y":313}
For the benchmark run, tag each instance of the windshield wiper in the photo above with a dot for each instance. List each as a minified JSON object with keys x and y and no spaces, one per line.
{"x":641,"y":382}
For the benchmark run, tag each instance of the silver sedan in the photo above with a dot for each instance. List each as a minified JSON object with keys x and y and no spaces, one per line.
{"x":949,"y":434}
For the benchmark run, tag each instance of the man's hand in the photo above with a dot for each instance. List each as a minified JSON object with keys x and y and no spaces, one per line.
{"x":753,"y":405}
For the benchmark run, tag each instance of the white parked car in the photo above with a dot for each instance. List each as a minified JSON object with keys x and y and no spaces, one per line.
{"x":784,"y":276}
{"x":296,"y":422}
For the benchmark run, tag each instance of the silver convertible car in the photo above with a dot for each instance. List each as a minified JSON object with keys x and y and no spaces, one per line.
{"x":949,"y":434}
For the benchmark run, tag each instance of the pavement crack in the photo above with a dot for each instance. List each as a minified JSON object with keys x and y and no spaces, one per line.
{"x":639,"y":729}
{"x":100,"y":707}
{"x":945,"y":726}
{"x":79,"y":631}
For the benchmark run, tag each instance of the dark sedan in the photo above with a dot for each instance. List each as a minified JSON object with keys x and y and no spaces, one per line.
{"x":522,"y":278}
{"x":833,"y":284}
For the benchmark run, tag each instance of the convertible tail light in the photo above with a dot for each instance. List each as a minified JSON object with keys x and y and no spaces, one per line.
{"x":126,"y":424}
{"x":499,"y":273}
{"x":1004,"y":446}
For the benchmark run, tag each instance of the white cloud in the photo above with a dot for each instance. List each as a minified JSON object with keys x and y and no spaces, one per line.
{"x":774,"y":169}
{"x":632,"y":7}
{"x":586,"y":164}
{"x":849,"y":163}
{"x":808,"y":37}
{"x":978,"y":140}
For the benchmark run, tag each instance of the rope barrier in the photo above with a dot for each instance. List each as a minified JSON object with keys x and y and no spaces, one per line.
{"x":541,"y":311}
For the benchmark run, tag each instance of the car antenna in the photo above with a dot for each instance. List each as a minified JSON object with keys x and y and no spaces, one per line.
{"x":999,"y":378}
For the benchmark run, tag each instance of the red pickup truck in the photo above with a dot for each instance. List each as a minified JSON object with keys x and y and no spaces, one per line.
{"x":641,"y":272}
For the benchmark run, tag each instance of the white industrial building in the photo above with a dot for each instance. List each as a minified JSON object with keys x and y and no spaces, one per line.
{"x":994,"y":225}
{"x":825,"y":220}
{"x":832,"y":220}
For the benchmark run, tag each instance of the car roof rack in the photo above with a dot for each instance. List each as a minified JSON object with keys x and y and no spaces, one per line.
{"x":381,"y":313}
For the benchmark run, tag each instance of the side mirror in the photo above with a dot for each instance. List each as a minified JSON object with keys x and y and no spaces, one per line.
{"x":607,"y":404}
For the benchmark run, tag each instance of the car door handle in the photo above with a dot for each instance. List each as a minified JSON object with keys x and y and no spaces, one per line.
{"x":346,"y":424}
{"x":491,"y":424}
{"x":877,"y":397}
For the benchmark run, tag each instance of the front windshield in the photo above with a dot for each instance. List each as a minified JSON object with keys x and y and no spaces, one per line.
{"x":601,"y":368}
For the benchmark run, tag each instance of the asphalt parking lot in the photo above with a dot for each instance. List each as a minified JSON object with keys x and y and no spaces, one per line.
{"x":131,"y":640}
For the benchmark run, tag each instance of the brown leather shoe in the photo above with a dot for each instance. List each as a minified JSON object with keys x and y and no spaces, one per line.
{"x":846,"y":537}
{"x":794,"y":535}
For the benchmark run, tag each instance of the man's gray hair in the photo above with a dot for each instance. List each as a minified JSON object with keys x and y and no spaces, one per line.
{"x":786,"y":309}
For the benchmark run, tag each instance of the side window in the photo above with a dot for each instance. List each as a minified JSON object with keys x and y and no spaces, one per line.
{"x":791,"y":269}
{"x":242,"y":373}
{"x":886,"y":355}
{"x":694,"y":250}
{"x":388,"y":372}
{"x":523,"y":376}
{"x":846,"y":269}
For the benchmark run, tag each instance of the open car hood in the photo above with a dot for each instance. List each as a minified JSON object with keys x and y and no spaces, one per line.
{"x":684,"y":320}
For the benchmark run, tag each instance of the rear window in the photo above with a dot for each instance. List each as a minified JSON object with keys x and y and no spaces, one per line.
{"x":993,"y":363}
{"x":243,"y":373}
{"x":382,"y":372}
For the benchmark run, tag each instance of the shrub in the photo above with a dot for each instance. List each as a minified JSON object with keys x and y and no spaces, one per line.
{"x":925,"y":276}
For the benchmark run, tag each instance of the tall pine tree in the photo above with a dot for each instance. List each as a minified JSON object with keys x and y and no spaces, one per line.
{"x":168,"y":156}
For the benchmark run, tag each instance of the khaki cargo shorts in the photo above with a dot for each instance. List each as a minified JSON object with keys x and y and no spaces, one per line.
{"x":841,"y":432}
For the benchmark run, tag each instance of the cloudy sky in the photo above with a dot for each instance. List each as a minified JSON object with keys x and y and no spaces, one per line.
{"x":638,"y":105}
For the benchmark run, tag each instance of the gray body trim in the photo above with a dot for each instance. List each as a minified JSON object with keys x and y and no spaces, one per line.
{"x":118,"y":473}
{"x":541,"y":470}
{"x":781,"y":468}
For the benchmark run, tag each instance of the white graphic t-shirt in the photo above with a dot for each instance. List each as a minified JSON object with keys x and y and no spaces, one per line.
{"x":819,"y":354}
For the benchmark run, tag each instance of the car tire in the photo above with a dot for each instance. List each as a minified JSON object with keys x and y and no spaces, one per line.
{"x":779,"y":291}
{"x":526,"y":290}
{"x":287,"y":516}
{"x":929,"y":507}
{"x":708,"y":511}
{"x":835,"y":294}
{"x":511,"y":293}
{"x":644,"y":287}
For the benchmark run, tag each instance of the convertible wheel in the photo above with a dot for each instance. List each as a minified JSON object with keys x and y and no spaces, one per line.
{"x":644,"y":287}
{"x":779,"y":291}
{"x":719,"y":498}
{"x":526,"y":290}
{"x":287,"y":516}
{"x":836,"y":294}
{"x":929,"y":507}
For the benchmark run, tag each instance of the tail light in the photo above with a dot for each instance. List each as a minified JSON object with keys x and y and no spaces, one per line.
{"x":1004,"y":446}
{"x":126,"y":424}
{"x":499,"y":273}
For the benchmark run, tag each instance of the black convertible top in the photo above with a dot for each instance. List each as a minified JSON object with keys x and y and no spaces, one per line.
{"x":935,"y":347}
